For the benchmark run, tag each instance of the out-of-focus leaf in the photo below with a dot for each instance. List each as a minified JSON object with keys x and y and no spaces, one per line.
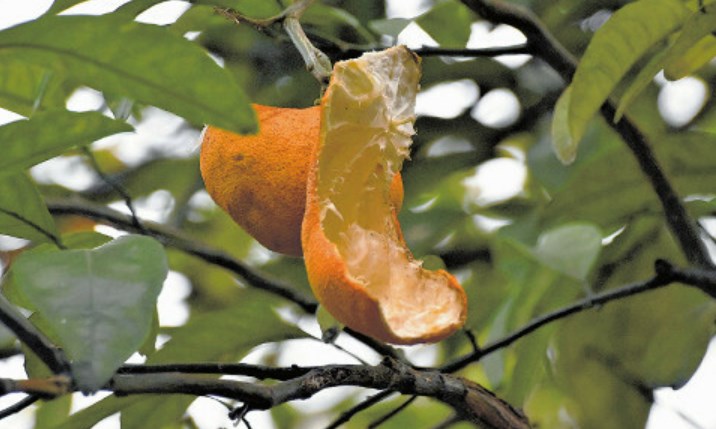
{"x":103,"y":300}
{"x":19,"y":196}
{"x":616,"y":46}
{"x":335,"y":24}
{"x":25,"y":88}
{"x":48,"y":134}
{"x":110,"y":53}
{"x":90,"y":416}
{"x":52,"y":411}
{"x":570,"y":249}
{"x":389,"y":27}
{"x":60,"y":5}
{"x":695,"y":57}
{"x":252,"y":322}
{"x":448,"y":22}
{"x":641,"y":81}
{"x":565,"y":147}
{"x":698,"y":27}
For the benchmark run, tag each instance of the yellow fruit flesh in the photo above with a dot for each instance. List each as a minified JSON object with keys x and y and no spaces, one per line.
{"x":366,"y":133}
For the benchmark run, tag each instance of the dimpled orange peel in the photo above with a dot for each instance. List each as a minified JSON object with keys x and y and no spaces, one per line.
{"x":358,"y":264}
{"x":260,"y":180}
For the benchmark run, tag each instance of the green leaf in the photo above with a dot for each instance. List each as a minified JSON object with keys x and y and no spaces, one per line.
{"x":699,"y":26}
{"x":48,"y":134}
{"x":103,"y":299}
{"x":615,"y":47}
{"x":60,"y":5}
{"x":52,"y":411}
{"x":695,"y":57}
{"x":448,"y":23}
{"x":22,"y":206}
{"x":335,"y":24}
{"x":564,"y":146}
{"x":570,"y":249}
{"x":112,"y":54}
{"x":251,"y":323}
{"x":25,"y":88}
{"x":389,"y":27}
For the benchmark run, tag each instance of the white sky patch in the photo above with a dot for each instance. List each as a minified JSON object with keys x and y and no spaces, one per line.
{"x":172,"y":307}
{"x":7,"y":116}
{"x":71,"y":172}
{"x":447,"y":100}
{"x":84,"y":100}
{"x":681,"y":100}
{"x":415,"y":37}
{"x":94,"y":7}
{"x":448,"y":145}
{"x":494,"y":180}
{"x":164,"y":13}
{"x":17,"y":11}
{"x":497,"y":109}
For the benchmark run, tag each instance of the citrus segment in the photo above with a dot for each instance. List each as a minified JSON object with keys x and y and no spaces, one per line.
{"x":260,"y":180}
{"x":358,"y":265}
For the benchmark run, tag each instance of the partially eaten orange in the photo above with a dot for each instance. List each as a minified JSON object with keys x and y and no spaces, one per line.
{"x":260,"y":180}
{"x":358,"y":264}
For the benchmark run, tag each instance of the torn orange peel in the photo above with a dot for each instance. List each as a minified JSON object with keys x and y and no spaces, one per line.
{"x":358,"y":264}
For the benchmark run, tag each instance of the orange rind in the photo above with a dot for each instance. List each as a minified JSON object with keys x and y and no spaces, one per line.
{"x":358,"y":264}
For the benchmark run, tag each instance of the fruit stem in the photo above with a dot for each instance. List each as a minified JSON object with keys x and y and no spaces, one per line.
{"x":317,"y":63}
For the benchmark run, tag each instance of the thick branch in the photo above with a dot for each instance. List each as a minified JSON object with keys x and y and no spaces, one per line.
{"x":544,"y":45}
{"x":471,"y":400}
{"x":496,"y":51}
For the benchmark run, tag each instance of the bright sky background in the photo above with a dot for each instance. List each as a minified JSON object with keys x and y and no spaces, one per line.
{"x":678,"y":102}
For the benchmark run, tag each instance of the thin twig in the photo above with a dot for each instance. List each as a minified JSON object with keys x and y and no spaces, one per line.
{"x":116,"y":186}
{"x":365,"y":404}
{"x":494,"y":51}
{"x":50,"y":236}
{"x":19,"y":406}
{"x":384,"y":418}
{"x":544,"y":45}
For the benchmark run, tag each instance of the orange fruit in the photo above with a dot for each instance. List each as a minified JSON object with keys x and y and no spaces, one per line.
{"x":260,"y":180}
{"x":358,"y":264}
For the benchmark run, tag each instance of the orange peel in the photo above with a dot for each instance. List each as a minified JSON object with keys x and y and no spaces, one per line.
{"x":358,"y":264}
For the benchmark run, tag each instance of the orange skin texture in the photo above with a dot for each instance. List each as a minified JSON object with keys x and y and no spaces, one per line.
{"x":345,"y":298}
{"x":260,"y":180}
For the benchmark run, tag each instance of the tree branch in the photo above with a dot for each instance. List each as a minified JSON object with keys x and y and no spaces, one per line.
{"x":471,"y":400}
{"x":544,"y":45}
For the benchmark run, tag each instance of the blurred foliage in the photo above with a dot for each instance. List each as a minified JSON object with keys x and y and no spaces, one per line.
{"x":566,"y":232}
